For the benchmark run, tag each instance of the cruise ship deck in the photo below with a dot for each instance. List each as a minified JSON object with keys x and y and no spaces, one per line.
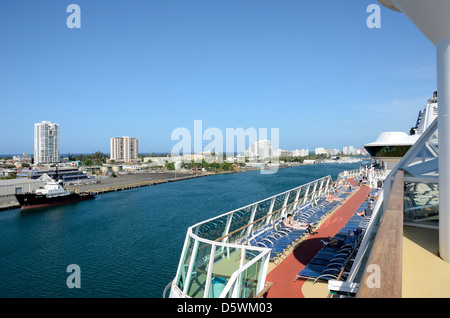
{"x":400,"y":240}
{"x":283,"y":275}
{"x":420,"y":254}
{"x":425,"y":274}
{"x":404,"y":251}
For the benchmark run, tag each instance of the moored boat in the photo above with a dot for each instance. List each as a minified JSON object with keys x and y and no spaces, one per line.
{"x":53,"y":193}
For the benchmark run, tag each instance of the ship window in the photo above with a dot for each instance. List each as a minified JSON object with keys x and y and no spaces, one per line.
{"x":421,"y":203}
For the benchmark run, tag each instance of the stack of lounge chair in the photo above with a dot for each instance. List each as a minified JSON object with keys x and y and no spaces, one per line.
{"x":330,"y":261}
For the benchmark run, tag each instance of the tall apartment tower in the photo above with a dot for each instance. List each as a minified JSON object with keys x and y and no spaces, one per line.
{"x":124,"y":149}
{"x":46,"y":142}
{"x":260,"y":149}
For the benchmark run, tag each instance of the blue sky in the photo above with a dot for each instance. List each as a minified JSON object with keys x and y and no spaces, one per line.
{"x":144,"y":68}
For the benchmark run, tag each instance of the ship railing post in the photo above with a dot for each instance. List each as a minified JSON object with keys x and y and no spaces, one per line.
{"x":285,"y":202}
{"x":297,"y":198}
{"x":191,"y":266}
{"x":209,"y":272}
{"x":443,"y":77}
{"x":306,"y":193}
{"x":252,"y":218}
{"x":272,"y":203}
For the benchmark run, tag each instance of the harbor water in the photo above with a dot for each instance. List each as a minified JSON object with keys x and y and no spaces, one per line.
{"x":127,"y":243}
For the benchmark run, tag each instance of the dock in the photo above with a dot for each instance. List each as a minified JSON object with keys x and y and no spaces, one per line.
{"x":131,"y":181}
{"x":123,"y":182}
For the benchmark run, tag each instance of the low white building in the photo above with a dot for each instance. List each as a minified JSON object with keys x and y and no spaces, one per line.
{"x":300,"y":153}
{"x":25,"y":158}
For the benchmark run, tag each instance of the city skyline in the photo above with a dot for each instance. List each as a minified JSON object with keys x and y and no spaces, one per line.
{"x":229,"y":63}
{"x":126,"y":148}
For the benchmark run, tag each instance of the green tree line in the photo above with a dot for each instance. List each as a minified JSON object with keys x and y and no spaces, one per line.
{"x":213,"y":166}
{"x":95,"y":159}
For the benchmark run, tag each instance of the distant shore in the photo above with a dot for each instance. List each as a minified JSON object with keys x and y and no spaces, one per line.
{"x":122,"y":182}
{"x":130,"y":181}
{"x":110,"y":184}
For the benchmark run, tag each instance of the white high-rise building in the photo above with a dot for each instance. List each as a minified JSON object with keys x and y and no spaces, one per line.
{"x":260,"y":149}
{"x":124,"y":149}
{"x":320,"y":151}
{"x":350,"y":150}
{"x":46,"y":142}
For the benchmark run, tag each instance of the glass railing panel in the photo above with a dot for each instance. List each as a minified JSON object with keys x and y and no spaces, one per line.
{"x":292,"y":196}
{"x":197,"y":280}
{"x":226,"y":262}
{"x":246,"y":281}
{"x":313,"y":191}
{"x":279,"y":201}
{"x":278,"y":205}
{"x":304,"y":191}
{"x":213,"y":229}
{"x":186,"y":258}
{"x":249,"y":279}
{"x":421,"y":203}
{"x":239,"y":222}
{"x":262,"y":211}
{"x":365,"y":249}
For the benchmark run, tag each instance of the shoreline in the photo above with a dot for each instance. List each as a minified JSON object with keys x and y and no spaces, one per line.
{"x":135,"y":180}
{"x":124,"y":182}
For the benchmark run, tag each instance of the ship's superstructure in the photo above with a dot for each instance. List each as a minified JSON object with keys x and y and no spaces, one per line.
{"x":390,"y":147}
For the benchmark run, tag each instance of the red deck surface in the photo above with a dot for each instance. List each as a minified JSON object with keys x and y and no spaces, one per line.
{"x":284,"y":274}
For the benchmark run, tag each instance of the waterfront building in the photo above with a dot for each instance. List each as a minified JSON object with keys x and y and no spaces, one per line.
{"x":281,"y":153}
{"x":350,"y":150}
{"x":124,"y":149}
{"x":300,"y":153}
{"x":46,"y":142}
{"x":64,"y":173}
{"x":25,"y":158}
{"x":16,"y":186}
{"x":320,"y":151}
{"x":260,"y":149}
{"x":334,"y":152}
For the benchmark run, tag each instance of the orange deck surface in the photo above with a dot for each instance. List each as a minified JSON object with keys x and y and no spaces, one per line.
{"x":283,"y":275}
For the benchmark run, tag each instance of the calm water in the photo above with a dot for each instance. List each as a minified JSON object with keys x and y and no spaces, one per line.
{"x":126,"y":243}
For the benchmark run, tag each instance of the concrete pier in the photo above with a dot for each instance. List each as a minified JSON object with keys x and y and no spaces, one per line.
{"x":123,"y":182}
